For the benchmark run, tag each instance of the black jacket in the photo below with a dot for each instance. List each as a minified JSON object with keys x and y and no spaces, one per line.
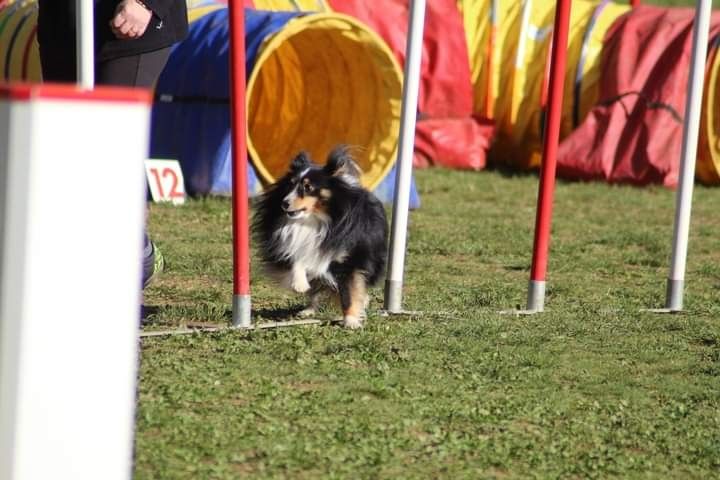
{"x":56,"y":24}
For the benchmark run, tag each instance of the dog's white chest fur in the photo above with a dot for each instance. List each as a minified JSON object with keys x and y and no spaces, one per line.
{"x":299,"y":242}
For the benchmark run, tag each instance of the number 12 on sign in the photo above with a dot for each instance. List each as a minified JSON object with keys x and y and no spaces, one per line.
{"x":165,"y":180}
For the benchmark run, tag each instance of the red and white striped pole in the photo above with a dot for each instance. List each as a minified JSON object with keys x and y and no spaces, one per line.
{"x":241,"y":233}
{"x":558,"y":59}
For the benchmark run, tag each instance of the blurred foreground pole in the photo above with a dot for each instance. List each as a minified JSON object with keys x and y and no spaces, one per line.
{"x":543,"y":220}
{"x":241,"y":234}
{"x":401,"y":202}
{"x":693,"y":108}
{"x":71,"y":247}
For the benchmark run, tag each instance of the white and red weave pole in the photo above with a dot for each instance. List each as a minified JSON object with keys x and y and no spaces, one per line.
{"x":85,"y":44}
{"x":693,"y":109}
{"x":543,"y":220}
{"x":241,"y":232}
{"x":408,"y":118}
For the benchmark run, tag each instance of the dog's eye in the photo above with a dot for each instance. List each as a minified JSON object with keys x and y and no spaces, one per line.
{"x":308,"y":188}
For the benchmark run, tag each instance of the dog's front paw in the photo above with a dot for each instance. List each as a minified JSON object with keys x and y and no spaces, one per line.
{"x":300,"y":284}
{"x":352,"y":322}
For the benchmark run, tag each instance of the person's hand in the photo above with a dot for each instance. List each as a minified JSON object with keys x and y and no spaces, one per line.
{"x":131,"y":19}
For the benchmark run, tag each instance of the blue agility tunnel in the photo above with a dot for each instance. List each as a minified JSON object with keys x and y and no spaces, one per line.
{"x":313,"y":81}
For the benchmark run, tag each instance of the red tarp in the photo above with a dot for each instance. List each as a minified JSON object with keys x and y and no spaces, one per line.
{"x":447,"y":134}
{"x":634,"y":134}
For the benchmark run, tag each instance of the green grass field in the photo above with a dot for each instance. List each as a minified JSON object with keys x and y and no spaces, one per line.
{"x":592,"y":388}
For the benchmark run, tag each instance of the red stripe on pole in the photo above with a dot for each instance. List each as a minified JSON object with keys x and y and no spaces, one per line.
{"x":635,"y":3}
{"x":241,"y":234}
{"x":543,"y":219}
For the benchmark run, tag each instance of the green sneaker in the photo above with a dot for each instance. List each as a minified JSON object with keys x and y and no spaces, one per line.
{"x":158,"y":265}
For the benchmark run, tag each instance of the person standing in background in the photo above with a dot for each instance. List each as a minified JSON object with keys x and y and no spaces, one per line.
{"x":133,"y":39}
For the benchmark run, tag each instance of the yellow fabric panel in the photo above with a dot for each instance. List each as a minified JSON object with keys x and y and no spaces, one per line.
{"x":534,"y":35}
{"x":503,"y":52}
{"x":292,"y":5}
{"x":324,"y":79}
{"x":199,"y":3}
{"x":519,"y":122}
{"x":519,"y":111}
{"x":199,"y":11}
{"x":708,"y":161}
{"x":581,"y":13}
{"x":476,"y":20}
{"x":12,"y":25}
{"x":590,"y":86}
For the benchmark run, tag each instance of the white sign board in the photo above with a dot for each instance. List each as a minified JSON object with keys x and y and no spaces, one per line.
{"x":165,"y":180}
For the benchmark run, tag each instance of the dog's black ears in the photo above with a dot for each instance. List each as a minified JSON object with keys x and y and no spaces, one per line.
{"x":341,"y":164}
{"x":300,"y":162}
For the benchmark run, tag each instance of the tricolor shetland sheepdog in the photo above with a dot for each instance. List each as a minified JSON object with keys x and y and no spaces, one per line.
{"x":319,"y":231}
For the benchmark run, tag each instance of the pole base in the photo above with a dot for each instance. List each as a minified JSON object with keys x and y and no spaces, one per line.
{"x":407,"y":313}
{"x":519,"y":313}
{"x":659,"y":310}
{"x":673,"y":298}
{"x":674,"y":295}
{"x":241,"y":317}
{"x":536,"y":296}
{"x":393,"y":296}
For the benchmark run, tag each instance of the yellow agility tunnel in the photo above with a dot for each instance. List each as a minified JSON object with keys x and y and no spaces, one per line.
{"x":708,"y":164}
{"x":292,"y":5}
{"x":321,"y":78}
{"x":509,"y":47}
{"x":314,"y":80}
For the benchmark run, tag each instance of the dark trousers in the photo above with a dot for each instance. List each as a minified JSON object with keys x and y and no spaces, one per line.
{"x":141,"y":70}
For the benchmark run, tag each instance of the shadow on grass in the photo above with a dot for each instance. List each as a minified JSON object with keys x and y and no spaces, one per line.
{"x":513,"y":171}
{"x":167,"y":315}
{"x":210,"y":314}
{"x":509,"y":171}
{"x":278,"y":314}
{"x":149,"y":314}
{"x":517,"y":268}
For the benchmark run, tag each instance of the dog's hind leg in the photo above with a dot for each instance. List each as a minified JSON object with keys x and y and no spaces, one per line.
{"x":353,"y":299}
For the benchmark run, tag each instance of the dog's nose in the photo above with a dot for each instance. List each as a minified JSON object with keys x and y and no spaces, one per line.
{"x":286,"y":204}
